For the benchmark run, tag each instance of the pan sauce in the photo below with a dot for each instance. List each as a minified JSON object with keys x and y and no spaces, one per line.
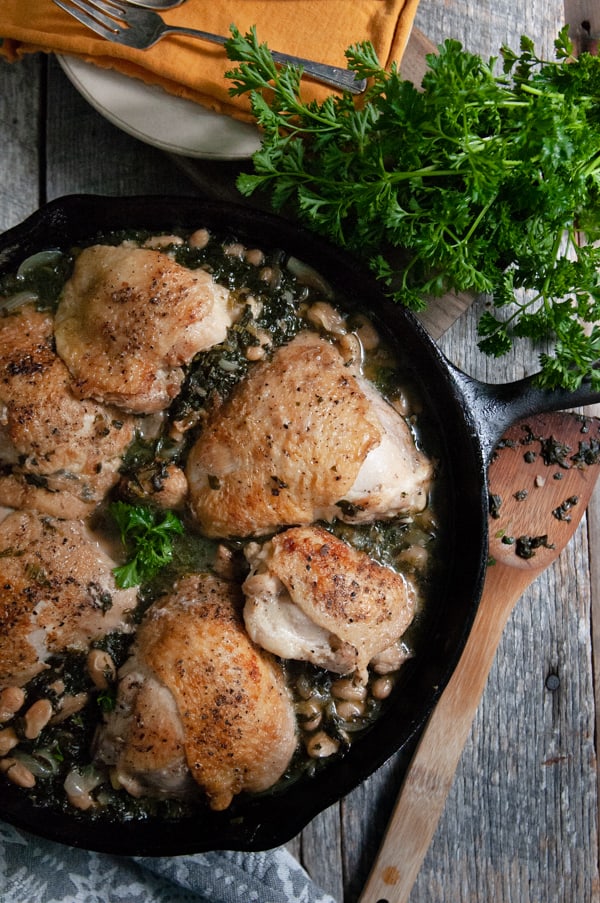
{"x":278,"y":298}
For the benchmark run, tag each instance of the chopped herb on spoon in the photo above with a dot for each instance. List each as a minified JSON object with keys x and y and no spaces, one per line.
{"x":481,"y":181}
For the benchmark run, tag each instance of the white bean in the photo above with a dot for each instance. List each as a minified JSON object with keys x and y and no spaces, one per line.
{"x":255,"y":353}
{"x":414,"y":556}
{"x":11,"y":700}
{"x":366,"y":332}
{"x":382,"y":687}
{"x":303,"y":685}
{"x":101,"y":668}
{"x":235,"y":249}
{"x":173,"y":487}
{"x":68,"y":705}
{"x":327,"y":317}
{"x":199,"y":239}
{"x":37,"y":717}
{"x":321,"y":745}
{"x":345,"y":688}
{"x":310,"y":714}
{"x":349,"y":709}
{"x":255,"y":257}
{"x":8,"y":740}
{"x":17,"y":773}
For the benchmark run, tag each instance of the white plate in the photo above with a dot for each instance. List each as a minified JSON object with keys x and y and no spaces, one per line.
{"x":150,"y":114}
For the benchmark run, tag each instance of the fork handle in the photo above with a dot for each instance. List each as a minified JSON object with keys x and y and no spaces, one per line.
{"x":334,"y":76}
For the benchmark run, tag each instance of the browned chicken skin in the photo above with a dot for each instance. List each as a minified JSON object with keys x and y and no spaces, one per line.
{"x":312,"y":597}
{"x":58,"y":454}
{"x":58,"y":593}
{"x":228,"y":714}
{"x":144,"y":738}
{"x":130,"y":318}
{"x":290,"y":445}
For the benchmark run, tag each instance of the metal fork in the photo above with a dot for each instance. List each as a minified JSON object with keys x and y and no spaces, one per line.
{"x":142,"y":28}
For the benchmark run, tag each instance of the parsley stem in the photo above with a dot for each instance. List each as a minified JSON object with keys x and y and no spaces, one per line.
{"x":478,"y":219}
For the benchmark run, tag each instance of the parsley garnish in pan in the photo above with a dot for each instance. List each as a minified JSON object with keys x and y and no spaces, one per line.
{"x":481,"y":181}
{"x":147,"y":534}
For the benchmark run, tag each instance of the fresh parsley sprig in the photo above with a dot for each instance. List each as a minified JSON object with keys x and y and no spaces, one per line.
{"x":479,"y":181}
{"x":147,"y":534}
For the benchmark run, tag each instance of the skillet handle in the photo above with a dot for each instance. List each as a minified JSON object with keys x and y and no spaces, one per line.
{"x":494,"y":407}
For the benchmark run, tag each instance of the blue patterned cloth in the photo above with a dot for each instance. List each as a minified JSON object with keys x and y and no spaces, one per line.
{"x":33,"y":870}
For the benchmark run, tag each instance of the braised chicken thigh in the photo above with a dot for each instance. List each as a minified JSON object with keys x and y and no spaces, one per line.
{"x":198,"y":698}
{"x":311,"y":596}
{"x":58,"y":454}
{"x":303,"y":439}
{"x":130,"y":318}
{"x":58,"y":593}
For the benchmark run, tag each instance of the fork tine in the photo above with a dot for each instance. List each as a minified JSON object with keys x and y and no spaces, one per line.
{"x":114,"y":8}
{"x":90,"y":16}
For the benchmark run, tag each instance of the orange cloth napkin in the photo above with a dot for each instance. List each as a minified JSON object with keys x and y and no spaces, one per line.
{"x":187,"y":67}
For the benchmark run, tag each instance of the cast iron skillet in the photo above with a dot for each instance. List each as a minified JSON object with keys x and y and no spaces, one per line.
{"x":468,"y":417}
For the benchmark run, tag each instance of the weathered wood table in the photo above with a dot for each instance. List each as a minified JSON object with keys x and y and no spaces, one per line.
{"x":520,"y":825}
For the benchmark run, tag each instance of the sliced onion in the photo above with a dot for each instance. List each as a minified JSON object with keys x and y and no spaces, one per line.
{"x":307,"y":275}
{"x":42,"y":258}
{"x":42,"y":764}
{"x":228,"y":366}
{"x":15,"y":301}
{"x":79,"y":785}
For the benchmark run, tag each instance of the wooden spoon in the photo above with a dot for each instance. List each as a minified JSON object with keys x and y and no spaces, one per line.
{"x":541,"y":480}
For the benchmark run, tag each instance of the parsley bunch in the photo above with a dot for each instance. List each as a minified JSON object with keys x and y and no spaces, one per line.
{"x":147,"y":534}
{"x":480,"y":182}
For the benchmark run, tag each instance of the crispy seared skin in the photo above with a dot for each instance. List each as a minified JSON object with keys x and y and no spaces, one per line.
{"x":129,"y":318}
{"x":285,"y":447}
{"x":144,"y":738}
{"x":236,"y":717}
{"x":58,"y":593}
{"x":58,"y":454}
{"x":303,"y":439}
{"x":313,"y":597}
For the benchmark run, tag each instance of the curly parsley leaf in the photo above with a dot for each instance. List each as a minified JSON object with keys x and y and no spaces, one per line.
{"x":147,"y":535}
{"x":481,"y":181}
{"x":107,"y":701}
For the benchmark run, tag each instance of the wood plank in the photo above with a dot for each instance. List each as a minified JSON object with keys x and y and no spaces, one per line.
{"x":321,"y":851}
{"x":108,"y":161}
{"x":21,"y":105}
{"x":593,"y":534}
{"x":365,"y":814}
{"x":414,"y":62}
{"x":583,"y":17}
